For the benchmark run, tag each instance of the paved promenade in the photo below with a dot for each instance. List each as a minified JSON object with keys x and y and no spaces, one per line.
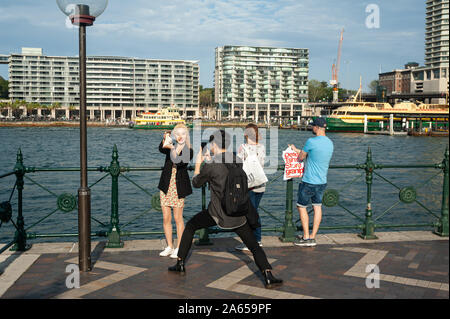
{"x":412,"y":264}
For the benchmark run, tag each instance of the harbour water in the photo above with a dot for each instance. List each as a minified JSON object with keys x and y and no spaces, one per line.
{"x":59,"y":147}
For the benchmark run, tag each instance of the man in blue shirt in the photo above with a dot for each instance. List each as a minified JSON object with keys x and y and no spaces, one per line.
{"x":317,"y":152}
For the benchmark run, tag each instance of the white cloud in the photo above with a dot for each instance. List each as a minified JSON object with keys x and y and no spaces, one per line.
{"x":192,"y":28}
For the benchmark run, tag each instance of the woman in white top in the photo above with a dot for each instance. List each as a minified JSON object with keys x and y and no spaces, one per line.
{"x":252,"y":146}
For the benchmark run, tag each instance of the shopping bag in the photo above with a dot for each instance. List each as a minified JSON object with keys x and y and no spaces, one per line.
{"x":293,"y":168}
{"x":252,"y":167}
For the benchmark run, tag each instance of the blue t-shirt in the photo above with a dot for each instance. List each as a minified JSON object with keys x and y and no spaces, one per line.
{"x":320,"y":150}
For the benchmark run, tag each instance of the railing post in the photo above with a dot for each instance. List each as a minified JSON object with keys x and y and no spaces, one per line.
{"x":203,"y":234}
{"x":442,"y":227}
{"x":114,"y":230}
{"x":289,"y":228}
{"x":369,"y":226}
{"x":20,"y":236}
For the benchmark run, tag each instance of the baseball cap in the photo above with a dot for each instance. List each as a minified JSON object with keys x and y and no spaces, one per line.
{"x":320,"y":122}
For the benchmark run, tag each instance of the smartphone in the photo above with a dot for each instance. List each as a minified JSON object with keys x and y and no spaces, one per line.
{"x":167,"y":139}
{"x":204,"y":149}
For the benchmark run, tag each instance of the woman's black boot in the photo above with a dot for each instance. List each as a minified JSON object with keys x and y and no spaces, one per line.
{"x":270,"y":281}
{"x":178,"y":267}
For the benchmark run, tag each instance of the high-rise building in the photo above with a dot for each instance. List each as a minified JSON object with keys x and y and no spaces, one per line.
{"x":261,"y":83}
{"x":116,"y":86}
{"x":437,"y":33}
{"x":433,"y":77}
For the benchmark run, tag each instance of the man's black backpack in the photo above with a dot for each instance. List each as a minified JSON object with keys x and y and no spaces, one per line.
{"x":235,"y":200}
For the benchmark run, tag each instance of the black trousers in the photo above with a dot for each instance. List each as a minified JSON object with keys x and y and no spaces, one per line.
{"x":203,"y":220}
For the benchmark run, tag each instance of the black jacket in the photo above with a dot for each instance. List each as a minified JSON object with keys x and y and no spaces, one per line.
{"x":216,"y":173}
{"x":182,"y":178}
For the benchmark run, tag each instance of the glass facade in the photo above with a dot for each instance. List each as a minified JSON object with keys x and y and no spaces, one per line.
{"x":261,"y":75}
{"x":248,"y":79}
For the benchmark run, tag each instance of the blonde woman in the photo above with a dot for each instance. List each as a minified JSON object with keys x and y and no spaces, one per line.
{"x":174,"y":184}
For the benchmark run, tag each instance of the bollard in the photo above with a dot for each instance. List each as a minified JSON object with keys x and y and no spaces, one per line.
{"x":365,"y":124}
{"x":391,"y":124}
{"x":20,"y":236}
{"x":203,"y":234}
{"x":114,"y":230}
{"x":369,"y":226}
{"x":288,"y":228}
{"x":442,"y":226}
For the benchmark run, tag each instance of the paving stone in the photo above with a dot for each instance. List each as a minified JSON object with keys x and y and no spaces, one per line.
{"x":409,"y":269}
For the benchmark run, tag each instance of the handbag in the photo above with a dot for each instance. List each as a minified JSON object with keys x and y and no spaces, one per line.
{"x":252,"y":167}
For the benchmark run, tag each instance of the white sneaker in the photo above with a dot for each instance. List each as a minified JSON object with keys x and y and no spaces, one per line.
{"x":174,"y":253}
{"x":166,"y":252}
{"x":242,"y":247}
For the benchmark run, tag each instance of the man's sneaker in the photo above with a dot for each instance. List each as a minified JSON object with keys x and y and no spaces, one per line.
{"x":311,"y":242}
{"x":166,"y":252}
{"x":174,"y":253}
{"x":300,"y":241}
{"x":242,"y":247}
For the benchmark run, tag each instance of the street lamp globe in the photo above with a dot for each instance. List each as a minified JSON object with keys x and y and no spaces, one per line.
{"x":82,"y":11}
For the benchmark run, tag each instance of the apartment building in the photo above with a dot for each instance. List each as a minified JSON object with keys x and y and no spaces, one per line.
{"x":437,"y":33}
{"x":115,"y":86}
{"x":261,"y":83}
{"x":434,"y":76}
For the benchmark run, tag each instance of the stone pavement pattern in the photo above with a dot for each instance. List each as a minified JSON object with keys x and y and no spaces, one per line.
{"x":411,"y":264}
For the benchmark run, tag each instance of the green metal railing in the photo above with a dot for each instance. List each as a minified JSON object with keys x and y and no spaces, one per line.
{"x":287,"y":227}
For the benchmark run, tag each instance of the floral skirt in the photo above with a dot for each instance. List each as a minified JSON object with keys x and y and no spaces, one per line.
{"x":171,"y":198}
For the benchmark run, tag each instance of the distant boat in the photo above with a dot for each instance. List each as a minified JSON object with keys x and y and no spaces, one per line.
{"x":350,"y":116}
{"x":166,"y":118}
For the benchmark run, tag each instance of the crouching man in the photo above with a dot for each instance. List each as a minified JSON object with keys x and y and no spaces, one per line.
{"x":215,"y":172}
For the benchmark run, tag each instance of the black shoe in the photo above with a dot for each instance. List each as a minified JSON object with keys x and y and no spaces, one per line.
{"x":270,"y":281}
{"x":178,"y":267}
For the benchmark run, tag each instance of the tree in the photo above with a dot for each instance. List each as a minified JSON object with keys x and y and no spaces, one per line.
{"x":373,"y":86}
{"x":55,"y":105}
{"x":319,"y":91}
{"x":206,"y":99}
{"x":4,"y":94}
{"x":314,"y":90}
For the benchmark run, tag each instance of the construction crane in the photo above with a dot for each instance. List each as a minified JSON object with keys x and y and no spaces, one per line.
{"x":335,"y":70}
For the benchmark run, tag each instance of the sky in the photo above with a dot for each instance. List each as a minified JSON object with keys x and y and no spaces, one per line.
{"x":192,"y":29}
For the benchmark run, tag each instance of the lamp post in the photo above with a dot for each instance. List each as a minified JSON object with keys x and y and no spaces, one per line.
{"x":83,"y":13}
